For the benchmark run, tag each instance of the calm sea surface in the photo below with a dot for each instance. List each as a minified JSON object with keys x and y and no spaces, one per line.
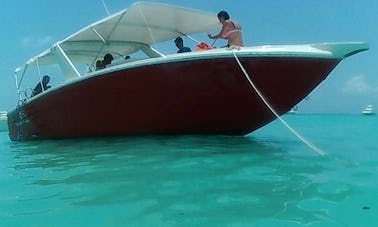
{"x":268,"y":178}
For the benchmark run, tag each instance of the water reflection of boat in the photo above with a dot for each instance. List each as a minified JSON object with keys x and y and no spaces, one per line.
{"x":368,"y":110}
{"x":201,"y":92}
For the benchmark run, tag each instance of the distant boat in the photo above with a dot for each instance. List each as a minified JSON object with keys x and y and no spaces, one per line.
{"x":294,"y":110}
{"x":3,"y":115}
{"x":368,"y":110}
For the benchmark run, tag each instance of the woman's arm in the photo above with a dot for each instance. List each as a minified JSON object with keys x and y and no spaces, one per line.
{"x":221,"y":33}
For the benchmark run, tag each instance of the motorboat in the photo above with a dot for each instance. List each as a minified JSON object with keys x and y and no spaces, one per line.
{"x":368,"y":110}
{"x":217,"y":91}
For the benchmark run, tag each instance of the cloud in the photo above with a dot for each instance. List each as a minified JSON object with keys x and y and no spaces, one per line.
{"x":359,"y":85}
{"x":37,"y":41}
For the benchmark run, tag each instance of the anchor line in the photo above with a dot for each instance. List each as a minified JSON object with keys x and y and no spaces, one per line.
{"x":291,"y":129}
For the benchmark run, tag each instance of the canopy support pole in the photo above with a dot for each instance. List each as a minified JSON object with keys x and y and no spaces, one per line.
{"x":65,"y":63}
{"x":98,"y":34}
{"x":22,"y":76}
{"x":17,"y":85}
{"x":18,"y":82}
{"x":39,"y":74}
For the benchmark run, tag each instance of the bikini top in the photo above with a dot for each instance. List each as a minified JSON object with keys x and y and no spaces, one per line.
{"x":227,"y":34}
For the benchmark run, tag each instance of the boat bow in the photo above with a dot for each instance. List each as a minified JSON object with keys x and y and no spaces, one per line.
{"x":342,"y":50}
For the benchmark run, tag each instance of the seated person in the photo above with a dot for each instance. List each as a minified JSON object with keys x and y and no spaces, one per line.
{"x":99,"y":65}
{"x":108,"y":58}
{"x":180,"y":45}
{"x":42,"y":86}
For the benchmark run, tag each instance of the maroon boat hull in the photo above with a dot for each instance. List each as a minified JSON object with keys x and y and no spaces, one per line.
{"x":189,"y":97}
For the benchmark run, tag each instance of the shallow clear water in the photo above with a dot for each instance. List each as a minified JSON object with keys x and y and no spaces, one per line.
{"x":268,"y":178}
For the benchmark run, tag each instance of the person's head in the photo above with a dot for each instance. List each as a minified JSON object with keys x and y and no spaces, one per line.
{"x":46,"y":79}
{"x":99,"y":64}
{"x":108,"y":58}
{"x":223,"y":16}
{"x":179,"y":42}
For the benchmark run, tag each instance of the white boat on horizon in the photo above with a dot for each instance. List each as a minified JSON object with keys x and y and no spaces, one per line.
{"x":293,"y":110}
{"x":3,"y":115}
{"x":369,"y":110}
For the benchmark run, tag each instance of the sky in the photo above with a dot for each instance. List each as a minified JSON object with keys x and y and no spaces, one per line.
{"x":31,"y":26}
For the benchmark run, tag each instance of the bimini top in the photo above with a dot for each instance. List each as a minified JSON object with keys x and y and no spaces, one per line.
{"x":142,"y":24}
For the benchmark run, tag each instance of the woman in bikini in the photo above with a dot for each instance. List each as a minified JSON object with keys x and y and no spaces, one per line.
{"x":231,"y":30}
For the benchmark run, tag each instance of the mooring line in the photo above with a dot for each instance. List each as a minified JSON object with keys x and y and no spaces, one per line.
{"x":105,"y":7}
{"x":305,"y":141}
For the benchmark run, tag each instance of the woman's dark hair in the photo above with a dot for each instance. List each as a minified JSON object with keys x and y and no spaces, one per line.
{"x":223,"y":14}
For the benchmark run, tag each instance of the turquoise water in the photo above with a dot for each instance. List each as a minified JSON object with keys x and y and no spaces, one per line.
{"x":268,"y":178}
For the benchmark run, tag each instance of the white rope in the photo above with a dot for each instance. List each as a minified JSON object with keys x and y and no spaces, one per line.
{"x":195,"y":40}
{"x":39,"y":74}
{"x":308,"y":143}
{"x":105,"y":7}
{"x":191,"y":38}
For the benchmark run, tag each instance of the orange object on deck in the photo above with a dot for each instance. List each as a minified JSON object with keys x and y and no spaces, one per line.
{"x":203,"y":46}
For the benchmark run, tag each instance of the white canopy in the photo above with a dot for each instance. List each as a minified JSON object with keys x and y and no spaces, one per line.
{"x":129,"y":30}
